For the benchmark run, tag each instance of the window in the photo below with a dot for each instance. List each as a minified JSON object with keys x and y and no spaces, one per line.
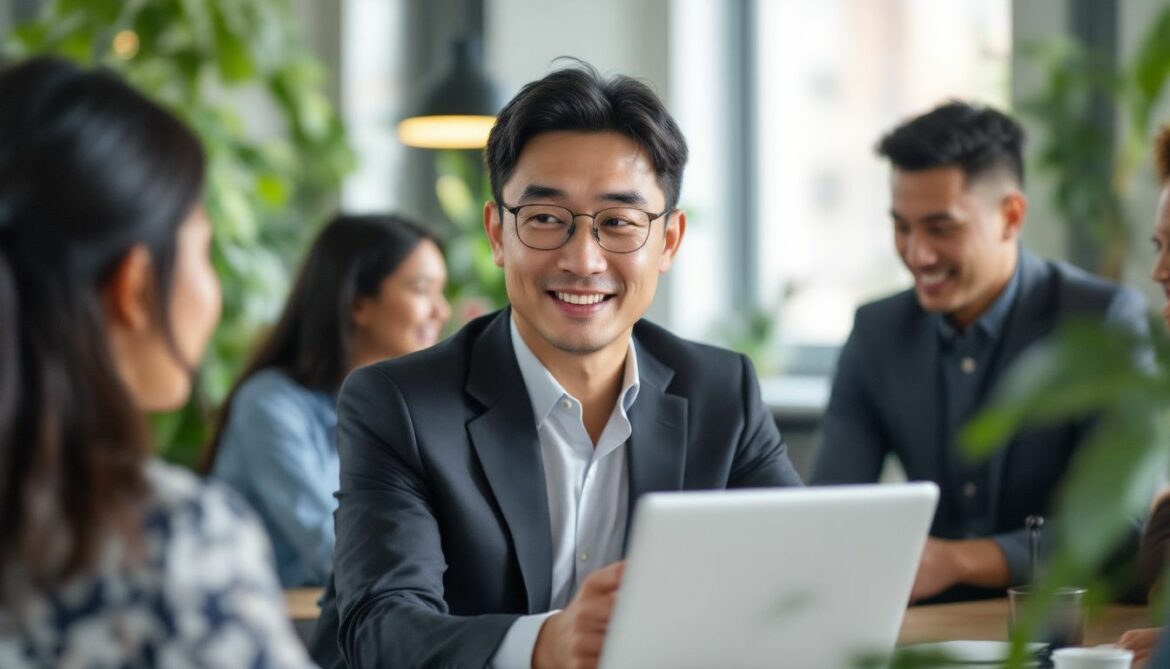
{"x":831,"y":77}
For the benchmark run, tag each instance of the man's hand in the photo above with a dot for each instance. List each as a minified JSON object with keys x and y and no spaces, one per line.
{"x":948,"y":563}
{"x":937,"y":571}
{"x":572,"y":638}
{"x":1141,"y":642}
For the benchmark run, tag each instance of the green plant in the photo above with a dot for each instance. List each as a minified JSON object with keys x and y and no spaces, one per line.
{"x":265,"y":194}
{"x":475,"y":283}
{"x":1088,"y":369}
{"x":1093,"y":167}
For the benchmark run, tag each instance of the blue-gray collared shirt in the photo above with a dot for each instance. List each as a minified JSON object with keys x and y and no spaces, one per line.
{"x":966,"y":357}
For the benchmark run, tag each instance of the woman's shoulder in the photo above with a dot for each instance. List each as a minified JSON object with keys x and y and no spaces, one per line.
{"x":273,"y":387}
{"x":268,"y":381}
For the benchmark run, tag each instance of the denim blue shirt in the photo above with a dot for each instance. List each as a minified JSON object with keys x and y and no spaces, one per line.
{"x":279,"y":450}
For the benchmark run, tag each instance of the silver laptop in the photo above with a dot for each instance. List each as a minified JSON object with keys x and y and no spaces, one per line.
{"x":808,"y":578}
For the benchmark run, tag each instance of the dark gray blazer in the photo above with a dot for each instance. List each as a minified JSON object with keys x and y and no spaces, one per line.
{"x":887,"y":398}
{"x":443,"y":535}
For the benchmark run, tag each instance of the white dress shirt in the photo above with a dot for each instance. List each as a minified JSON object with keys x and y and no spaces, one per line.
{"x":588,"y":494}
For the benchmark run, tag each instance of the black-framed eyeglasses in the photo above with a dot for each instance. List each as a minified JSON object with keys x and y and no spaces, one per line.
{"x":546,"y":227}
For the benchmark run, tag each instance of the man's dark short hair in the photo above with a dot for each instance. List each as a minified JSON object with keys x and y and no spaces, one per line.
{"x":1162,"y":154}
{"x":579,"y":99}
{"x":978,"y":140}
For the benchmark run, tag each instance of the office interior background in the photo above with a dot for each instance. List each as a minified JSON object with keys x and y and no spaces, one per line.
{"x":781,"y":101}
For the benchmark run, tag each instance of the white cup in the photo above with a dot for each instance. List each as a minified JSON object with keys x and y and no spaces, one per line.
{"x":1092,"y":658}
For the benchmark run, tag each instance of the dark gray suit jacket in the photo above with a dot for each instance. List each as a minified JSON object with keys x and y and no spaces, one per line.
{"x":443,"y":535}
{"x":887,"y":398}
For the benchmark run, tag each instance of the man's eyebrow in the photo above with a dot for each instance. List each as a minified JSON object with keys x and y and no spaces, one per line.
{"x":536,"y":192}
{"x":938,"y":217}
{"x":623,"y":197}
{"x":933,"y":217}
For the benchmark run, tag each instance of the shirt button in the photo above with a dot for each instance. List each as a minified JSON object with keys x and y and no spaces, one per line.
{"x":566,"y":404}
{"x":584,"y":557}
{"x":968,"y":365}
{"x":969,"y":490}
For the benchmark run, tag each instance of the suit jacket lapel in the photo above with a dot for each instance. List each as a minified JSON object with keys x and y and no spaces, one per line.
{"x":505,"y":440}
{"x":1030,"y":319}
{"x":656,"y":450}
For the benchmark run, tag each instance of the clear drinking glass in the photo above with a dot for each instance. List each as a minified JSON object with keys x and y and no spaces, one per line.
{"x":1060,"y":623}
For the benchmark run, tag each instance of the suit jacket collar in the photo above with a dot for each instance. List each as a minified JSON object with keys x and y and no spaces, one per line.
{"x":657,"y":447}
{"x":506,"y":443}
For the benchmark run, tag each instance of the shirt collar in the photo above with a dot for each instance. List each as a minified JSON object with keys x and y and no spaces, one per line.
{"x":992,"y":321}
{"x":544,"y":391}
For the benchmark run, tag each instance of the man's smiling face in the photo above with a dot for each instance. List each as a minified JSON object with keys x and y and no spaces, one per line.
{"x":959,"y":240}
{"x":580,"y":298}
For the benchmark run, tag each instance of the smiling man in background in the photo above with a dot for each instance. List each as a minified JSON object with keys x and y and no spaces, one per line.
{"x":919,"y":364}
{"x":487,"y":483}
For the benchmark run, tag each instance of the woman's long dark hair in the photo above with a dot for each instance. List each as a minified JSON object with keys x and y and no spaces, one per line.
{"x":312,"y":341}
{"x":89,"y":168}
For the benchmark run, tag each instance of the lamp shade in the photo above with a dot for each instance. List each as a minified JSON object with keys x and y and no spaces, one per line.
{"x":456,"y":107}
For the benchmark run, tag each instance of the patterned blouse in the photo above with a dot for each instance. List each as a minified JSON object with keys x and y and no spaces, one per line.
{"x":203,"y":594}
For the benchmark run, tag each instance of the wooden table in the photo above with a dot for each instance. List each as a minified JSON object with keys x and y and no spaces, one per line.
{"x":987,"y":620}
{"x":302,"y":603}
{"x":983,"y":620}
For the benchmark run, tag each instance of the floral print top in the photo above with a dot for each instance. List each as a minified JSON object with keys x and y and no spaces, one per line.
{"x":202,"y":594}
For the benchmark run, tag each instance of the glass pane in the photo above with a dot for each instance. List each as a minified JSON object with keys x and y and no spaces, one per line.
{"x":832,"y":77}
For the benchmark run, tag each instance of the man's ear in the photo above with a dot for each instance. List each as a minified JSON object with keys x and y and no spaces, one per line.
{"x":493,"y":226}
{"x":128,"y":294}
{"x":1014,"y":209}
{"x":672,"y":235}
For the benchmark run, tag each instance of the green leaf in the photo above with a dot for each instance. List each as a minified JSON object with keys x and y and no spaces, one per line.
{"x":273,"y":190}
{"x":232,"y":54}
{"x":455,"y":199}
{"x":1113,"y":478}
{"x":1151,"y":69}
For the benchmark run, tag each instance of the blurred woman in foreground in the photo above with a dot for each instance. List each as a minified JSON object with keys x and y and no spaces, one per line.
{"x":108,"y":557}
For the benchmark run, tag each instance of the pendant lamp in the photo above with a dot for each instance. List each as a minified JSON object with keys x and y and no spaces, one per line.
{"x":456,"y":107}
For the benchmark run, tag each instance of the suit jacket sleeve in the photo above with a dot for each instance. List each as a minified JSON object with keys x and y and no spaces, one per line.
{"x":853,"y":446}
{"x":389,"y":563}
{"x":761,"y":459}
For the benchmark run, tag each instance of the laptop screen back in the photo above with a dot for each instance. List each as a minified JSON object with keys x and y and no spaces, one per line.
{"x":795,"y":577}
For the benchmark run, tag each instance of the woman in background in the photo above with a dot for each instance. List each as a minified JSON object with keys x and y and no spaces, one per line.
{"x":108,"y":557}
{"x":371,"y":288}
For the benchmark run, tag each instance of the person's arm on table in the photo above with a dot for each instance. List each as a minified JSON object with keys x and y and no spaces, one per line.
{"x":946,"y":563}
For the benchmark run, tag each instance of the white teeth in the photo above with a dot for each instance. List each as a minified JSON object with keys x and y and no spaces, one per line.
{"x":574,"y":298}
{"x":933,"y":277}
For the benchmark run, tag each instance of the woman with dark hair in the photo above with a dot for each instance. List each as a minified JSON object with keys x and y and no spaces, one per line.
{"x":371,"y":288}
{"x":107,"y":299}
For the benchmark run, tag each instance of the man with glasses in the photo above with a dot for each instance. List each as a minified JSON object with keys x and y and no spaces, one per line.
{"x":918,"y":365}
{"x":487,"y":483}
